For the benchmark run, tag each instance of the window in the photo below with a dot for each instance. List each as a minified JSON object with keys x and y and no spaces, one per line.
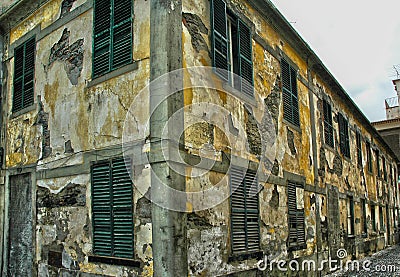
{"x":232,"y":48}
{"x":112,"y":46}
{"x":364,"y":217}
{"x":350,"y":216}
{"x":244,"y":211}
{"x":24,"y":75}
{"x":359,"y":149}
{"x":112,"y":209}
{"x":378,"y":166}
{"x":382,"y":224}
{"x":369,"y":156}
{"x":344,"y":135}
{"x":296,"y":239}
{"x":384,"y":169}
{"x":373,"y":218}
{"x":328,"y":127}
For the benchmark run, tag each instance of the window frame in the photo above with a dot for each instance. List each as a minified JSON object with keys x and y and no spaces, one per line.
{"x":111,"y":40}
{"x":385,"y":176}
{"x":328,"y":124}
{"x":377,"y":163}
{"x":115,"y":210}
{"x":350,"y":216}
{"x":369,"y":156}
{"x":373,"y":217}
{"x":240,"y":178}
{"x":294,"y":216}
{"x":364,"y":211}
{"x":222,"y":56}
{"x":24,"y":73}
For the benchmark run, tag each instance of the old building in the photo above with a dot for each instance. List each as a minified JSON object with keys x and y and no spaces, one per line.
{"x":111,"y":168}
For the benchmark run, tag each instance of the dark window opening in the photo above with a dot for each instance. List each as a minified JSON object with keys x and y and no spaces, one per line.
{"x":350,"y":216}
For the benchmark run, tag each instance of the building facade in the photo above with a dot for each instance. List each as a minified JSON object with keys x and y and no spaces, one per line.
{"x":257,"y":152}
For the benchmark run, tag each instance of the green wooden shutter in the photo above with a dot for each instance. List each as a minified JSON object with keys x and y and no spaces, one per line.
{"x":122,"y":33}
{"x":18,"y":78}
{"x":289,"y":93}
{"x":29,"y":72}
{"x":328,"y":128}
{"x":24,"y":75}
{"x":102,"y":210}
{"x":295,"y":100}
{"x":296,"y":218}
{"x":359,"y":150}
{"x":102,"y":37}
{"x":245,"y":230}
{"x":252,"y":211}
{"x":112,"y":208}
{"x":238,"y":210}
{"x":292,"y":213}
{"x":122,"y":209}
{"x":245,"y":58}
{"x":219,"y":38}
{"x":344,"y":136}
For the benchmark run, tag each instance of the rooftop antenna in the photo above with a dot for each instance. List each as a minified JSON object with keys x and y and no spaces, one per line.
{"x":397,"y":69}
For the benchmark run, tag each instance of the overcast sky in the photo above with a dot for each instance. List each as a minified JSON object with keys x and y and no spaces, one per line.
{"x":358,"y":41}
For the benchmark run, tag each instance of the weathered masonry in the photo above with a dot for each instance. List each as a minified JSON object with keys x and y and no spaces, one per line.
{"x":76,"y":200}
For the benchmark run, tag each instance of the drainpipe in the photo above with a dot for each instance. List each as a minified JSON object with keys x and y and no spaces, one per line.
{"x":2,"y":133}
{"x":169,"y":229}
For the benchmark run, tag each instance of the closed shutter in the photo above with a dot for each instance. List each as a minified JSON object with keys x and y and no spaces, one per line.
{"x":244,"y":211}
{"x":289,"y":94}
{"x":101,"y":209}
{"x":292,"y":212}
{"x":24,"y":75}
{"x":122,"y":33}
{"x":328,"y":128}
{"x":102,"y":37}
{"x":122,"y":209}
{"x":246,"y":64}
{"x":18,"y":78}
{"x":219,"y":38}
{"x":112,"y":35}
{"x":112,"y":198}
{"x":344,"y":136}
{"x":359,"y":150}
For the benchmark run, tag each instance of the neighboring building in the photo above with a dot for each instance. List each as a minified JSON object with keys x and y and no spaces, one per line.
{"x":389,"y":128}
{"x":71,"y":70}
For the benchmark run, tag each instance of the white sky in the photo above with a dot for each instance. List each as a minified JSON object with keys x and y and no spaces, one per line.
{"x":358,"y":41}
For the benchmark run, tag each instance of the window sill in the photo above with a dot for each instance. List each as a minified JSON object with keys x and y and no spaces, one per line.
{"x":23,"y":111}
{"x":115,"y":73}
{"x":328,"y":147}
{"x":351,"y":236}
{"x":297,"y":247}
{"x":292,"y":126}
{"x":245,"y":256}
{"x":237,"y":93}
{"x":113,"y":261}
